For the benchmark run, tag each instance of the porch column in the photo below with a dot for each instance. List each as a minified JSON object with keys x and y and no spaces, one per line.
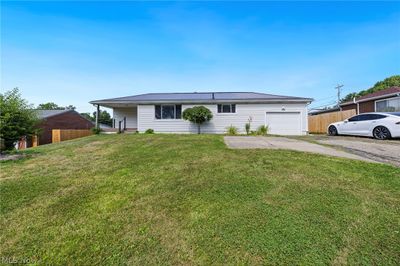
{"x":97,"y":116}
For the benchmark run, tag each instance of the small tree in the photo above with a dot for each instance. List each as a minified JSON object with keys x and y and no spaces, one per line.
{"x":17,"y":118}
{"x":197,"y":115}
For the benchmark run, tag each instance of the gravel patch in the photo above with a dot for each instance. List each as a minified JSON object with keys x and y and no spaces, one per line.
{"x":250,"y":142}
{"x":386,"y":151}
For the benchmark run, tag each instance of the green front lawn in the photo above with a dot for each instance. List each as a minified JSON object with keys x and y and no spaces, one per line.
{"x":187,"y":199}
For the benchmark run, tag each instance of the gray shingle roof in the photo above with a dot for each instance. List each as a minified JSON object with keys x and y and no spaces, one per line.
{"x":47,"y":113}
{"x":200,"y":97}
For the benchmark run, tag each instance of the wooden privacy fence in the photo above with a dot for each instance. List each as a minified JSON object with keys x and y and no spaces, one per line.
{"x":59,"y":135}
{"x":319,"y":123}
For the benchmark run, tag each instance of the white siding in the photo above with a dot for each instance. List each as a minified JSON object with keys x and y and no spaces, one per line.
{"x":130,"y":114}
{"x":220,"y":122}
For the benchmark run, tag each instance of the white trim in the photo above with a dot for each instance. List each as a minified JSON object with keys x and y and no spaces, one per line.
{"x":384,"y":100}
{"x":137,"y":118}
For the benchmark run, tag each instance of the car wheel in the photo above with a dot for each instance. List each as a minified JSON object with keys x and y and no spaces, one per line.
{"x":332,"y":131}
{"x":381,"y":132}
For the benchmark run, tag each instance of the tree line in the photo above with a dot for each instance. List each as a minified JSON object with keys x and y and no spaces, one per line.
{"x":380,"y":85}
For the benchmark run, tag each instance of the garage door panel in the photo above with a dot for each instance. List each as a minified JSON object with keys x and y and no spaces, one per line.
{"x":284,"y":123}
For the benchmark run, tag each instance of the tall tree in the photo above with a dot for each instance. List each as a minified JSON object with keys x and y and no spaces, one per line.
{"x":88,"y":116}
{"x":49,"y":106}
{"x":104,"y":117}
{"x":380,"y":85}
{"x":17,"y":118}
{"x":54,"y":106}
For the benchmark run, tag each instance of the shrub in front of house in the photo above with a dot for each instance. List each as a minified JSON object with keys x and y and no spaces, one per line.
{"x":96,"y":130}
{"x":149,"y":131}
{"x":247,"y":127}
{"x":232,"y":130}
{"x":262,"y":130}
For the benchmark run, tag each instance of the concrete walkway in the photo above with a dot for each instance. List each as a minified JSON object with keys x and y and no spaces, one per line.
{"x":252,"y":142}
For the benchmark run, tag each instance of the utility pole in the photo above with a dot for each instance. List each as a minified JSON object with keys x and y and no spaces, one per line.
{"x":338,"y":88}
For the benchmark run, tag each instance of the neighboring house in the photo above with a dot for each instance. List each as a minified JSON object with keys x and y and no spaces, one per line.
{"x":162,"y":112}
{"x":387,"y":100}
{"x":55,"y":119}
{"x":60,"y":119}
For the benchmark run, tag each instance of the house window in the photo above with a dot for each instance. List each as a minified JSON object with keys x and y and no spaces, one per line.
{"x":388,"y":105}
{"x":168,"y":111}
{"x":226,"y":108}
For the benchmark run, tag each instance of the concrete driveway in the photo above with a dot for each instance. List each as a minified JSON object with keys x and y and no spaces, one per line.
{"x":252,"y":142}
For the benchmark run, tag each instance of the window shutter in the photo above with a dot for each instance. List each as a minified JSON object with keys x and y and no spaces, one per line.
{"x":158,"y":111}
{"x":233,"y":109}
{"x":178,"y":114}
{"x":219,"y":108}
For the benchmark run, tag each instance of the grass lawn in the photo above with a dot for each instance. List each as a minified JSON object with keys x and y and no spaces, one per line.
{"x":187,"y":199}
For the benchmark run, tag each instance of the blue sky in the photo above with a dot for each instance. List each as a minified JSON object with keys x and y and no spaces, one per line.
{"x":74,"y":52}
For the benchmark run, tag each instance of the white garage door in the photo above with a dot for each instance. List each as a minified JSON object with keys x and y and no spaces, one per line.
{"x":284,"y":123}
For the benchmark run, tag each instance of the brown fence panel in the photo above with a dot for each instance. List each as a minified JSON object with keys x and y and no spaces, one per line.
{"x":55,"y":135}
{"x":59,"y":135}
{"x":319,"y":123}
{"x":35,"y":141}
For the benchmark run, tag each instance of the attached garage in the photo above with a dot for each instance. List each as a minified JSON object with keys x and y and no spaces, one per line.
{"x":284,"y":123}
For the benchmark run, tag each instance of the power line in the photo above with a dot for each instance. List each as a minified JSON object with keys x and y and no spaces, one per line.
{"x":338,"y":88}
{"x":325,"y":105}
{"x":322,"y":99}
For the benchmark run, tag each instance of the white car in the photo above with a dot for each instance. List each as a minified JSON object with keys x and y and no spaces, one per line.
{"x":377,"y":125}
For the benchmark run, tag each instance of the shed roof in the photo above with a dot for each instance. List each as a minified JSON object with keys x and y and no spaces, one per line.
{"x":42,"y":114}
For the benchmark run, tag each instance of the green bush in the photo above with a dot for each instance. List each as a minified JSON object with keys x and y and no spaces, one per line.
{"x":197,"y":115}
{"x":262,"y":130}
{"x":232,"y":130}
{"x":96,"y":130}
{"x":149,"y":131}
